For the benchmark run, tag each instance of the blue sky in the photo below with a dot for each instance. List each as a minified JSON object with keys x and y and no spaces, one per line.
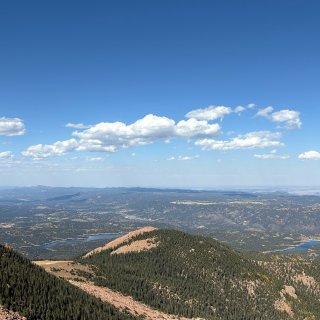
{"x":157,"y":87}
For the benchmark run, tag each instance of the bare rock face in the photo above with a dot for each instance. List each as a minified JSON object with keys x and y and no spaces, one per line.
{"x":290,"y":291}
{"x":308,"y":281}
{"x":281,"y":304}
{"x":9,"y":315}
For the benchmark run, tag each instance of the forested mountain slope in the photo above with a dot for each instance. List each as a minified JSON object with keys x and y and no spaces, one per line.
{"x":162,"y":274}
{"x":191,"y":276}
{"x":37,"y":295}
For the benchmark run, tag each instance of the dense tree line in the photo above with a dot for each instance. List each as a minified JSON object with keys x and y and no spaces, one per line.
{"x":191,"y":276}
{"x":29,"y":290}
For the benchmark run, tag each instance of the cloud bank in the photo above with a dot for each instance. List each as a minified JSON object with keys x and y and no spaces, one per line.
{"x":199,"y":128}
{"x":113,"y":136}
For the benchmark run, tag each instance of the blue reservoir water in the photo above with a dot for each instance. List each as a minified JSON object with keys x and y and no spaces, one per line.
{"x":92,"y":237}
{"x":303,"y":246}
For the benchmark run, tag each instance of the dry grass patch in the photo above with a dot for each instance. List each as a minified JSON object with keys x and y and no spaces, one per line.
{"x":119,"y":241}
{"x":64,"y":269}
{"x":137,"y":246}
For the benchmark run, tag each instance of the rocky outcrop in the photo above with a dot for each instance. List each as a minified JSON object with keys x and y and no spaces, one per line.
{"x":10,"y":315}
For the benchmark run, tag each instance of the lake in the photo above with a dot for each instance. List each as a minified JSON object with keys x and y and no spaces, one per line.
{"x":91,"y":237}
{"x":302,"y":246}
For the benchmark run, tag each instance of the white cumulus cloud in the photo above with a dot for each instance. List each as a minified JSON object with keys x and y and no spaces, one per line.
{"x":11,"y":127}
{"x":315,"y":155}
{"x":272,"y":155}
{"x":41,"y":151}
{"x":6,"y":155}
{"x":239,"y":109}
{"x":290,"y":119}
{"x":213,"y":112}
{"x":112,"y":136}
{"x":77,"y":125}
{"x":192,"y":128}
{"x":251,"y":140}
{"x":209,"y":113}
{"x":183,"y":158}
{"x":96,"y":158}
{"x":265,"y":112}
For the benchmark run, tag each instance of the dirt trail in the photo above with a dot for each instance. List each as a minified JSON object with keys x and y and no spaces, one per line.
{"x":120,"y":240}
{"x":126,"y":303}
